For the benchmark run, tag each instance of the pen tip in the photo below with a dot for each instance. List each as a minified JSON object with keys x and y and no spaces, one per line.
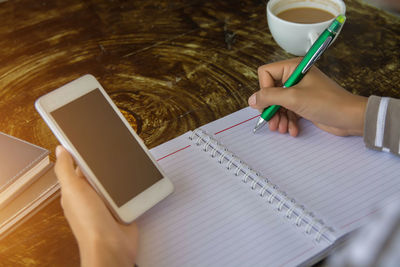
{"x":261,"y":122}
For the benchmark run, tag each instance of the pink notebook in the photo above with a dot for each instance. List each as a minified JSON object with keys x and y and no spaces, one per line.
{"x":20,"y":164}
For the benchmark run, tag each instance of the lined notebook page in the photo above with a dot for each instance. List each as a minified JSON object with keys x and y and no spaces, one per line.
{"x":337,"y":178}
{"x":213,"y":219}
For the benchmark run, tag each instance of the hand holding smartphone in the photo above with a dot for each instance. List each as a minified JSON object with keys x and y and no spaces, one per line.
{"x":109,"y":152}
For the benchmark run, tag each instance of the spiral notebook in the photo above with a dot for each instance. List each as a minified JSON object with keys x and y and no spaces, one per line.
{"x":264,"y":199}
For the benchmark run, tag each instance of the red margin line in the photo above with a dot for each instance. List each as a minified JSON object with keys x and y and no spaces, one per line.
{"x":173,"y":152}
{"x":236,"y":124}
{"x":356,"y":220}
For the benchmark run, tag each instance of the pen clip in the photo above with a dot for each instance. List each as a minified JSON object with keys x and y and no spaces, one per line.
{"x":317,"y":54}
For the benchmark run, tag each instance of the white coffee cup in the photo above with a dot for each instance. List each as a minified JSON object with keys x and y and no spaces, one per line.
{"x":297,"y":38}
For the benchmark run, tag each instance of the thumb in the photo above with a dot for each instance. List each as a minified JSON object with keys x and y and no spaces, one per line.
{"x":64,"y":167}
{"x":270,"y":96}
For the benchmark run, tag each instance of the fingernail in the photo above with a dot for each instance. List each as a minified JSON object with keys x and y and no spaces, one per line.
{"x":58,"y":151}
{"x":252,"y":100}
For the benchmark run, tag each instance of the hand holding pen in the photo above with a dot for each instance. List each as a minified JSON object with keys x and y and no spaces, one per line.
{"x":316,"y":98}
{"x":316,"y":50}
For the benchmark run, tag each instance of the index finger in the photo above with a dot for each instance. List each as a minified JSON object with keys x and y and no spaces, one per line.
{"x":280,"y":71}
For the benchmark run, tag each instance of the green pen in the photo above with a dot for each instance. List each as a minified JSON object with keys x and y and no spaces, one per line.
{"x":313,"y":54}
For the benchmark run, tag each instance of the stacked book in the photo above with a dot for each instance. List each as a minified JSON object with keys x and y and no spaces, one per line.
{"x":27,"y":181}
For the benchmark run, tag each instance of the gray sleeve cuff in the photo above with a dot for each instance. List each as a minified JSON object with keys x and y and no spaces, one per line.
{"x":382,"y":124}
{"x":370,"y":119}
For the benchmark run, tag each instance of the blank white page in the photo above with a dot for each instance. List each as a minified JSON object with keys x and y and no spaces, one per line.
{"x":337,"y":178}
{"x":214,"y":219}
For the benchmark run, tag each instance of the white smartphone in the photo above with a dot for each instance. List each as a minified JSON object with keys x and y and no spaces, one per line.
{"x":109,"y":152}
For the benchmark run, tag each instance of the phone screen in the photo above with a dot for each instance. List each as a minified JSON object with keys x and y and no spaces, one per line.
{"x":109,"y":149}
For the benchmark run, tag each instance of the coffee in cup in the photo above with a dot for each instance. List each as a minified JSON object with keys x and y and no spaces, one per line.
{"x":306,"y":15}
{"x":296,"y":24}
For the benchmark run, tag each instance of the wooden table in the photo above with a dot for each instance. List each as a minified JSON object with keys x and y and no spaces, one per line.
{"x":170,"y":66}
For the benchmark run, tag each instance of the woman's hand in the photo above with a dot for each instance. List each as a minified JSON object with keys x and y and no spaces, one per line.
{"x":316,"y":98}
{"x":102,"y":240}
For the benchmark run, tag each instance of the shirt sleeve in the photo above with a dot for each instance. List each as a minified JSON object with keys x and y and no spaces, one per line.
{"x":382,"y":124}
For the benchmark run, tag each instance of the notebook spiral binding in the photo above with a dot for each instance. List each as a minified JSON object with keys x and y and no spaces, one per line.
{"x":294,"y":212}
